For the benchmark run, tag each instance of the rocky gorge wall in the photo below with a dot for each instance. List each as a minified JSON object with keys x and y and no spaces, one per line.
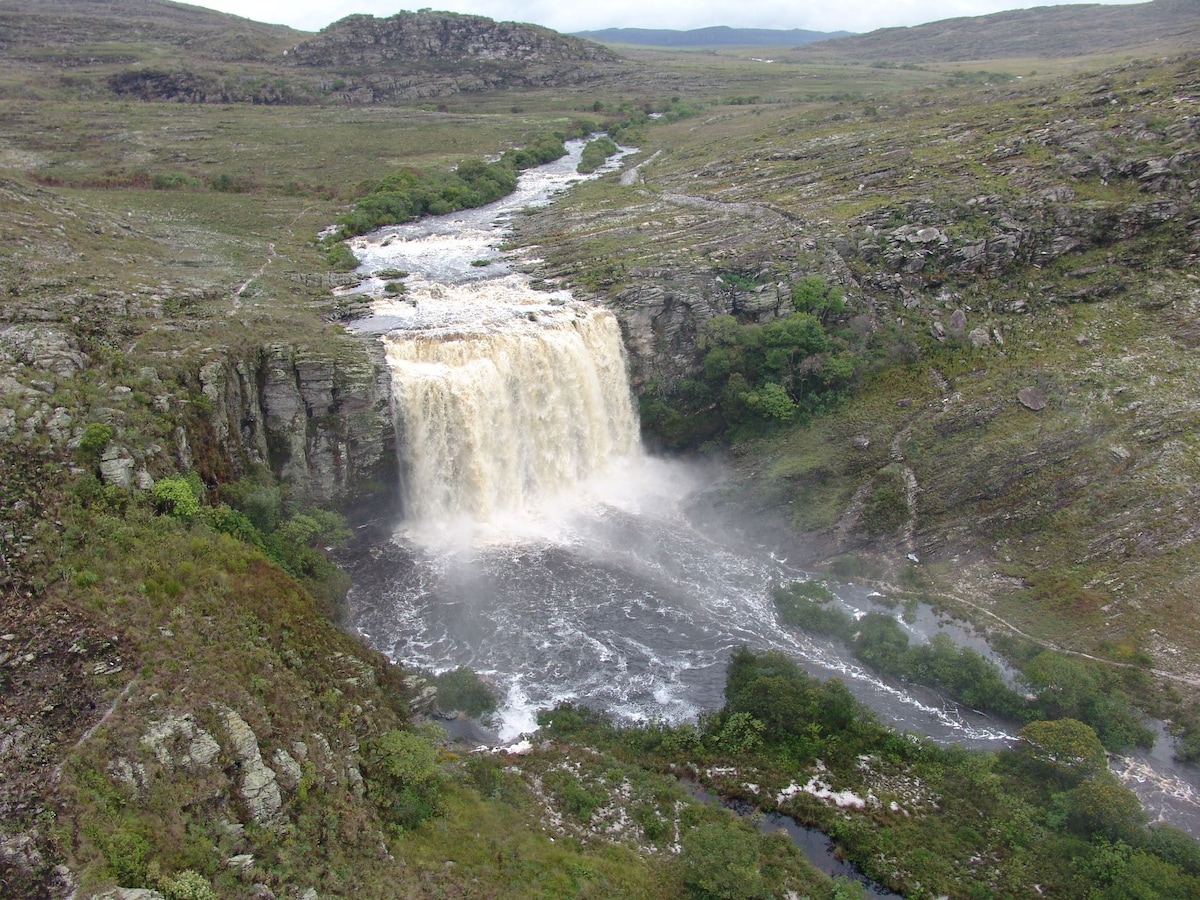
{"x":318,"y":416}
{"x":322,"y":420}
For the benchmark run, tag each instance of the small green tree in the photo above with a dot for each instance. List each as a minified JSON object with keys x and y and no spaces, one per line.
{"x":812,"y":295}
{"x":178,"y":496}
{"x":186,"y":885}
{"x":1101,"y":805}
{"x":771,"y":401}
{"x":95,"y":438}
{"x":403,"y":780}
{"x":741,"y":733}
{"x":1065,"y":748}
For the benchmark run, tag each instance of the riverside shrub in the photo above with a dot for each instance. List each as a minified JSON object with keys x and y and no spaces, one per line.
{"x":411,"y":193}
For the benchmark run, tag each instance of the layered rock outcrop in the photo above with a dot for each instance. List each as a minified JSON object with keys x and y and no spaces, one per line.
{"x":412,"y":56}
{"x":363,"y":40}
{"x":321,"y":419}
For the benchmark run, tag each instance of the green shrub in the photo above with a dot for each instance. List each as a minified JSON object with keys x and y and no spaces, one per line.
{"x":802,"y":605}
{"x":760,"y":376}
{"x":575,"y":798}
{"x":1175,"y":846}
{"x":720,"y":862}
{"x":571,"y":719}
{"x":234,"y":523}
{"x":1101,"y":805}
{"x":1065,"y":749}
{"x":258,"y":497}
{"x":402,"y":777}
{"x":340,"y":257}
{"x":848,"y":889}
{"x":127,"y":854}
{"x":95,"y":438}
{"x":461,"y":689}
{"x":231,"y":184}
{"x":162,"y":182}
{"x":812,"y":295}
{"x":410,"y":193}
{"x":178,"y":496}
{"x":682,"y":740}
{"x":741,"y":733}
{"x":1074,"y":688}
{"x":595,"y":154}
{"x":186,"y":885}
{"x":655,"y":828}
{"x":485,"y":773}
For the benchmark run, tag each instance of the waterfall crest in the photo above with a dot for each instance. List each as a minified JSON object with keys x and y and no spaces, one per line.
{"x":494,"y":421}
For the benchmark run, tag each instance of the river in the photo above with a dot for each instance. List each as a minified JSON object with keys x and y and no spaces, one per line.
{"x":540,"y":546}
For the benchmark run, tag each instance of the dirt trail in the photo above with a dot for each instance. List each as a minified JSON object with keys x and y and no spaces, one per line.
{"x":236,"y":299}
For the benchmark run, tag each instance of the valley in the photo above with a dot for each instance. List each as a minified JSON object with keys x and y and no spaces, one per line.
{"x":931,"y":319}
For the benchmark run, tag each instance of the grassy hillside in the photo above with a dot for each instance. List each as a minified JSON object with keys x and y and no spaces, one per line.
{"x":1051,"y":32}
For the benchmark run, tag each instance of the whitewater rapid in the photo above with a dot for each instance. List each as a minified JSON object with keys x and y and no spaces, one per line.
{"x":540,"y":546}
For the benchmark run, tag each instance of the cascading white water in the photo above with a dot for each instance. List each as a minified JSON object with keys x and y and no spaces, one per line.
{"x":627,"y":596}
{"x":497,"y":420}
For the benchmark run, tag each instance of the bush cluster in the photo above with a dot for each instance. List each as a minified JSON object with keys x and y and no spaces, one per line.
{"x":595,"y":154}
{"x":410,"y":193}
{"x":1059,"y":687}
{"x":756,"y":376}
{"x":1047,"y":810}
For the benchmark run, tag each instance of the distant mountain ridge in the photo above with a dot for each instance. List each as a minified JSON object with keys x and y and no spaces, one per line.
{"x":715,"y":36}
{"x":1046,"y":31}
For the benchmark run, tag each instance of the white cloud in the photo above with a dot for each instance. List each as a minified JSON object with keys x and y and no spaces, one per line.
{"x":850,"y":15}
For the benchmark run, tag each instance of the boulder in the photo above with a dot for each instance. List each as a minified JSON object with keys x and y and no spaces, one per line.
{"x":116,"y":467}
{"x":257,"y":783}
{"x":1032,"y":398}
{"x":979,"y":338}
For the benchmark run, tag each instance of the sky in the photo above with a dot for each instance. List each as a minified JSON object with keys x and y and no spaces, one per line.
{"x":847,"y":15}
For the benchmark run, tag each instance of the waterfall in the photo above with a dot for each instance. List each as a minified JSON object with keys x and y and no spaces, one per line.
{"x":493,"y":421}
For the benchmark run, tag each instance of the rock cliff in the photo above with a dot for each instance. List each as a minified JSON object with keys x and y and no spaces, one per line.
{"x":321,"y":419}
{"x":429,"y":54}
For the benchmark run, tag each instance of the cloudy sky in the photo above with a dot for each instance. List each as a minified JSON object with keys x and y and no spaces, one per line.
{"x":848,"y":15}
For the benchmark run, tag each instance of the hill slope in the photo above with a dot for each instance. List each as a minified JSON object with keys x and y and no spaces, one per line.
{"x":1048,"y":31}
{"x":69,"y":29}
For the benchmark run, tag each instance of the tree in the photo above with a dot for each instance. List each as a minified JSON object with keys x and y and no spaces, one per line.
{"x":1101,"y":805}
{"x":881,"y":643}
{"x":179,"y":496}
{"x":771,"y":401}
{"x":1064,"y":686}
{"x":1065,"y":748}
{"x":1070,"y":687}
{"x":812,"y":295}
{"x":403,"y":780}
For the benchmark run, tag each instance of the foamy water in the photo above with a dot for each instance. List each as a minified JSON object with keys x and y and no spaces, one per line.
{"x":544,"y":550}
